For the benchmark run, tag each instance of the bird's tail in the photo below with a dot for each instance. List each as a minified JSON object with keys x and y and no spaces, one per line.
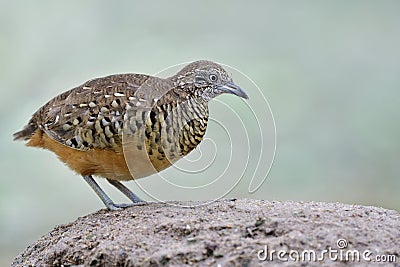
{"x":26,"y":133}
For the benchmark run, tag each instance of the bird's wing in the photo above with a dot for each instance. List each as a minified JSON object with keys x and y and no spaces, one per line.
{"x":91,"y":115}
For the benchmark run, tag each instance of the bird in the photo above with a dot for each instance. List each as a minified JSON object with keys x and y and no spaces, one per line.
{"x":128,"y":126}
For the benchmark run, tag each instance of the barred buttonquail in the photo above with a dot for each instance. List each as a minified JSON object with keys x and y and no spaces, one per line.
{"x":128,"y":126}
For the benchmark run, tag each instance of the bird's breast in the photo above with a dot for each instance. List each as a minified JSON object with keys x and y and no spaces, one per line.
{"x":155,"y":139}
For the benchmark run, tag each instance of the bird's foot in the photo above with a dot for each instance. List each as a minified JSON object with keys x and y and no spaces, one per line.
{"x":121,"y":206}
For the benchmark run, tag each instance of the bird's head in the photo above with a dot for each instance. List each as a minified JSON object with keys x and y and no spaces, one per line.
{"x":206,"y":79}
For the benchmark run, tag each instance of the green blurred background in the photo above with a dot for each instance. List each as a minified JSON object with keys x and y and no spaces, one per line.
{"x":329,"y":69}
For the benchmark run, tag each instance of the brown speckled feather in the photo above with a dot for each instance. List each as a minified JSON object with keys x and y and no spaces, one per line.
{"x":166,"y":118}
{"x":91,"y":115}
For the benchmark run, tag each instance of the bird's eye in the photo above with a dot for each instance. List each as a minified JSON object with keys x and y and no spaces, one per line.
{"x":213,"y":77}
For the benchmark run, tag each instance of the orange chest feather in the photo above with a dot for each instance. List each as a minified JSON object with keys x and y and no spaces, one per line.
{"x":100,"y":162}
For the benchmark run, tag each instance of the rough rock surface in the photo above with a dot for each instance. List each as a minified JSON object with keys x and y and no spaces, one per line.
{"x":224,"y":233}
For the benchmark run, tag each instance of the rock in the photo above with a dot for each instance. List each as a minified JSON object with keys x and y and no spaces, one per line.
{"x":242,"y":232}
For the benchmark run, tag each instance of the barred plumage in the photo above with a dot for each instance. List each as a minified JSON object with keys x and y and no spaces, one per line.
{"x":89,"y":126}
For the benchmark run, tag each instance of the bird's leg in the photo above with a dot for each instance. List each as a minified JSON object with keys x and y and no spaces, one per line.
{"x":125,"y":190}
{"x":103,"y":196}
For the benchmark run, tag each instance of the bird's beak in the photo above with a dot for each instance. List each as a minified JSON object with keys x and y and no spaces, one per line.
{"x":232,"y":88}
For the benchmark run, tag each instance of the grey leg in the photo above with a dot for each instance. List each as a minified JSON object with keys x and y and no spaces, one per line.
{"x":125,"y":190}
{"x":103,"y":196}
